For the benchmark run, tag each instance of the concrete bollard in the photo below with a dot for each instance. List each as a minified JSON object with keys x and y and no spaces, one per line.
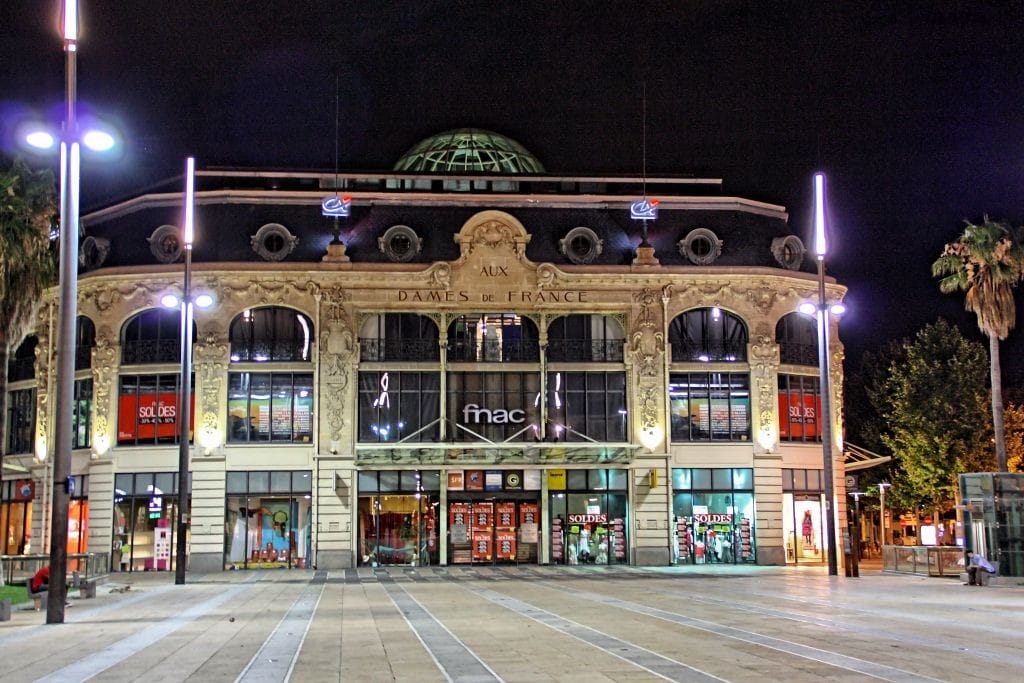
{"x":5,"y":609}
{"x":88,"y":589}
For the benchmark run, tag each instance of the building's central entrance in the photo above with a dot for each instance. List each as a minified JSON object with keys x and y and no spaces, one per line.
{"x":493,"y":529}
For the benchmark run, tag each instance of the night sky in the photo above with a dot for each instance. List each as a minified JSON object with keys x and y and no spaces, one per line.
{"x":915,"y":109}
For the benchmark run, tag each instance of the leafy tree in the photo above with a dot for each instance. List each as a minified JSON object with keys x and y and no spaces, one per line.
{"x":934,"y":402}
{"x":1015,"y":437}
{"x":27,"y":265}
{"x":986,"y":262}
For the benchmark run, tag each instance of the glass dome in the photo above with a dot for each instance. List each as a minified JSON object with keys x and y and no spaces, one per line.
{"x":469,"y":150}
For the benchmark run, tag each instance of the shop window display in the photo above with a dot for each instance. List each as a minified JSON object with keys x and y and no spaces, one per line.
{"x":145,"y":519}
{"x":802,"y":509}
{"x":398,"y":517}
{"x":588,"y":518}
{"x":713,"y":512}
{"x":267,"y":520}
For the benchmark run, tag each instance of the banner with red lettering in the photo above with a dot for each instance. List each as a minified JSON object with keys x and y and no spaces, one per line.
{"x":505,"y":515}
{"x":506,"y":549}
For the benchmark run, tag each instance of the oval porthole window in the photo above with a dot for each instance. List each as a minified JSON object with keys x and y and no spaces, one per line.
{"x":93,"y":252}
{"x":701,"y":246}
{"x":789,"y":251}
{"x":166,"y":244}
{"x":273,"y":242}
{"x":581,"y":245}
{"x":400,"y":243}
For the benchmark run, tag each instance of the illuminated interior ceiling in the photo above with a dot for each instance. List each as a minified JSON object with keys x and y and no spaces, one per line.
{"x":469,"y":150}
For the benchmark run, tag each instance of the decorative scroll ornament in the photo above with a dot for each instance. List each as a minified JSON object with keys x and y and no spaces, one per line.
{"x":647,"y":341}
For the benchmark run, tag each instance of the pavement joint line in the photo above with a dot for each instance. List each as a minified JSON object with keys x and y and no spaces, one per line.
{"x":459,"y":666}
{"x":98,"y":662}
{"x":654,"y":663}
{"x":835,"y":659}
{"x":835,"y":624}
{"x":282,"y":647}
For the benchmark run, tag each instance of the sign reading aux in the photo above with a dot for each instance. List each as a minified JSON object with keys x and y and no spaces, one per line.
{"x":473,"y":413}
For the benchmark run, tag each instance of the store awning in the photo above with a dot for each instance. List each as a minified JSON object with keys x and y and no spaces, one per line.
{"x":860,"y":458}
{"x":539,"y":453}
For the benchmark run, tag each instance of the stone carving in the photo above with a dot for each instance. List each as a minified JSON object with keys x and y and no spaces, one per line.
{"x":764,"y":366}
{"x":648,"y":341}
{"x":104,"y":357}
{"x":762,"y":298}
{"x":648,"y":398}
{"x":494,"y":231}
{"x":440,"y":276}
{"x":337,"y":352}
{"x":211,"y":362}
{"x":547,"y":276}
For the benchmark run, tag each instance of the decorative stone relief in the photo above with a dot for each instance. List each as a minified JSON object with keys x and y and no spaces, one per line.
{"x":492,"y":234}
{"x":42,"y":370}
{"x":104,"y":372}
{"x":440,"y":276}
{"x":762,"y":298}
{"x":211,"y":363}
{"x":648,"y":341}
{"x":648,"y":399}
{"x":764,"y":366}
{"x":337,"y":352}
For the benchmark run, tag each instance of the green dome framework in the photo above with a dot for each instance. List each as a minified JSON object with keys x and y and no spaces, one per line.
{"x":469,"y":150}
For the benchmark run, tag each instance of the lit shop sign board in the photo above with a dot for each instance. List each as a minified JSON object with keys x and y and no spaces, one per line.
{"x":712,"y":518}
{"x":449,"y":296}
{"x":334,"y":206}
{"x":147,"y":416}
{"x":644,"y":210}
{"x":592,"y":518}
{"x":471,"y":412}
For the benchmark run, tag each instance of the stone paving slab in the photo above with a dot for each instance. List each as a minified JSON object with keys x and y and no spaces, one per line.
{"x":529,"y":623}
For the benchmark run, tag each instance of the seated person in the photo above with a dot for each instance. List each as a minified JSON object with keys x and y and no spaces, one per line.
{"x":976,"y":562}
{"x":40,"y":582}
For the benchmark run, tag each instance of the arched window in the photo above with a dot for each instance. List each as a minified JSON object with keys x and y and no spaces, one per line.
{"x":22,"y":363}
{"x":398,"y":337}
{"x":708,"y":335}
{"x":271,"y":334}
{"x":585,"y":339}
{"x":153,"y":336}
{"x":797,"y":336}
{"x":85,"y":339}
{"x":493,"y":337}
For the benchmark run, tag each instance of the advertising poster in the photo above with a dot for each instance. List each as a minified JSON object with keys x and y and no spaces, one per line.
{"x":556,"y":480}
{"x":458,"y":522}
{"x":483,"y":516}
{"x":492,"y":480}
{"x":481,"y":546}
{"x":455,"y":480}
{"x":506,"y":548}
{"x":474,"y":480}
{"x":505,"y":515}
{"x":531,"y":480}
{"x":148,"y":416}
{"x":798,"y":416}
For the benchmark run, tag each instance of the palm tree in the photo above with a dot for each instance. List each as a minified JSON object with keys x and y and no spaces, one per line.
{"x":27,"y":265}
{"x":986,"y":262}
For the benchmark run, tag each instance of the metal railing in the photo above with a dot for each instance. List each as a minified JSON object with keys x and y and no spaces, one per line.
{"x":924,"y":560}
{"x":585,"y":350}
{"x":88,"y":566}
{"x":410,"y":350}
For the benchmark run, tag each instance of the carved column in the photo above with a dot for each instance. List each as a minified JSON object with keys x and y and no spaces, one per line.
{"x":647,"y":344}
{"x":337,"y":356}
{"x":764,"y":371}
{"x":210,"y":357}
{"x":104,"y":375}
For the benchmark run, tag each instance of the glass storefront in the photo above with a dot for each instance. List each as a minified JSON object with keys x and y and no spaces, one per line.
{"x":267,"y":519}
{"x":145,"y":519}
{"x":802,"y":521}
{"x":588,"y":516}
{"x":398,"y":517}
{"x":16,"y":516}
{"x":713,"y":515}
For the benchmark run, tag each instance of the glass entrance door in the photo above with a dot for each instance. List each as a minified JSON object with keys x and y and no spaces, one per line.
{"x":493,"y":531}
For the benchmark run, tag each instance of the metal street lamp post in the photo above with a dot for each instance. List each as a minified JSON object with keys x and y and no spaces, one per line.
{"x":820,"y":248}
{"x":67,"y":305}
{"x":185,"y":386}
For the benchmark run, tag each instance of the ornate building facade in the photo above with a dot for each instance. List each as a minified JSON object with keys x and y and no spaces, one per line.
{"x":471,"y":361}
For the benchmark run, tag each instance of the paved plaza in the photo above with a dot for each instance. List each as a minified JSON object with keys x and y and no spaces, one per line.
{"x":525,"y":624}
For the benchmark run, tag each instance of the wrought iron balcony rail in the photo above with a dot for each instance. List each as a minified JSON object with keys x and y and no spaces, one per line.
{"x":488,"y":351}
{"x":684,"y":352}
{"x":585,"y":350}
{"x":408,"y":350}
{"x":151,"y":351}
{"x":798,"y":354}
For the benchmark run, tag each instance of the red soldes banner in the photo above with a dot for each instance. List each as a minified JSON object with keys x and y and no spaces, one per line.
{"x":798,"y":416}
{"x":147,"y":416}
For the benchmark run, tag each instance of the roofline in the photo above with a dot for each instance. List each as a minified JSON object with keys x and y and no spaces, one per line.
{"x":326,"y":178}
{"x":446,"y":199}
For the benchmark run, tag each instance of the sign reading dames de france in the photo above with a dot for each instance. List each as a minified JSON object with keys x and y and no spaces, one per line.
{"x":509,"y":297}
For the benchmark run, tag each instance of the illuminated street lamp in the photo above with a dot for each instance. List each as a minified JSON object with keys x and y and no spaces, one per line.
{"x":822,"y":311}
{"x":187,"y":302}
{"x":71,"y":139}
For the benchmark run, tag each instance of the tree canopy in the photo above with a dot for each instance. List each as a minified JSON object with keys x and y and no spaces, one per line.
{"x":934,"y":401}
{"x":27,"y":264}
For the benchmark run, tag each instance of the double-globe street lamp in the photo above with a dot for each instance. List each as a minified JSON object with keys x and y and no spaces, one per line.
{"x":184,"y":413}
{"x":823,"y":310}
{"x":71,"y":138}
